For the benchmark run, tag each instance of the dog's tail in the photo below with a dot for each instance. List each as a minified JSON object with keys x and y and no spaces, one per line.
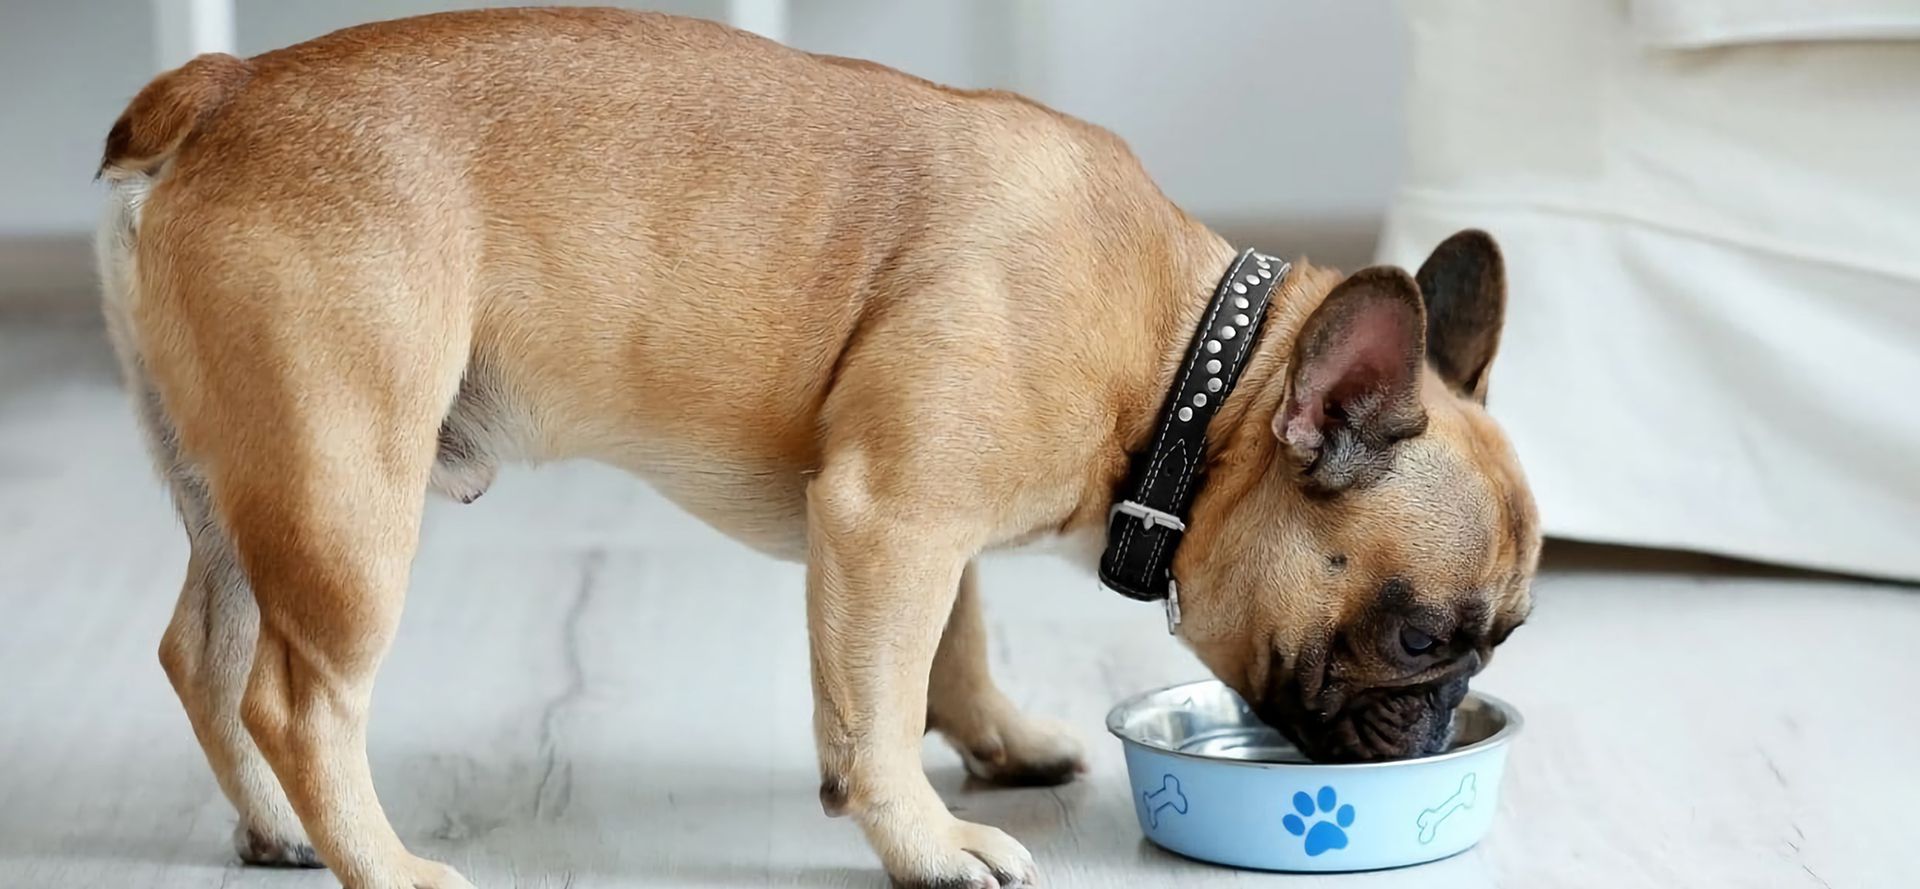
{"x":168,"y":111}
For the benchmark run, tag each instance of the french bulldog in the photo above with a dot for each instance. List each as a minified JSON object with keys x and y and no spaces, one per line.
{"x":845,"y":315}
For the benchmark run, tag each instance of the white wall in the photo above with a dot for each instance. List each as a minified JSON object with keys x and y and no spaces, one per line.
{"x":67,"y":68}
{"x":1279,"y":118}
{"x":1255,"y":109}
{"x":1245,"y":111}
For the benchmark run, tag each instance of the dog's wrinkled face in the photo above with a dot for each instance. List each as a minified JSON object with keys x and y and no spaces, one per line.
{"x":1349,"y":579}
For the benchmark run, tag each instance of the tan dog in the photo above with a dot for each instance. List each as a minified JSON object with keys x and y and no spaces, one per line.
{"x":843,"y":314}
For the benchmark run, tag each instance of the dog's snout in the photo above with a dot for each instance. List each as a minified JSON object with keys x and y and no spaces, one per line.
{"x":1374,"y":725}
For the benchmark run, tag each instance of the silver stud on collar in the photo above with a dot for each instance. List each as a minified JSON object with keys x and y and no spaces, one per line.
{"x":1226,"y":333}
{"x":1185,"y":414}
{"x":1239,"y":287}
{"x":1253,"y":279}
{"x":1240,"y":302}
{"x":1213,"y":346}
{"x":1214,"y":384}
{"x":1199,"y":399}
{"x":1241,"y":320}
{"x":1213,"y":365}
{"x":1265,"y":272}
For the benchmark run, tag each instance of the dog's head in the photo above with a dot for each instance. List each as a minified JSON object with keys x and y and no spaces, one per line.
{"x":1349,"y":570}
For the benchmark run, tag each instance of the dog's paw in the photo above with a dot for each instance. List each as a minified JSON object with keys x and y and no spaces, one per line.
{"x":429,"y":874}
{"x":1022,"y":751}
{"x":263,"y":848}
{"x":955,"y":854}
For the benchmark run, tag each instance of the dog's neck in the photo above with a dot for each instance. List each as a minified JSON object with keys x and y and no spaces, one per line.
{"x":1166,"y":312}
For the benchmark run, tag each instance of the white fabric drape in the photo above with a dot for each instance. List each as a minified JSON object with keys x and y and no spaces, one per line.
{"x":1713,"y":337}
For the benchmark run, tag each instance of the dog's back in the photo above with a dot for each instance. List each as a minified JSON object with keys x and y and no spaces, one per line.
{"x":652,"y":188}
{"x":657,"y":191}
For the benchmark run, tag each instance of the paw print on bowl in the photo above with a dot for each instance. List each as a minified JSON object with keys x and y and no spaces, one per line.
{"x":1327,"y":830}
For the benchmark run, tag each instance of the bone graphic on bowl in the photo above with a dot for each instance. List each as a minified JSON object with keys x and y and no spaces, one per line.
{"x":1167,"y":797}
{"x":1431,"y":818}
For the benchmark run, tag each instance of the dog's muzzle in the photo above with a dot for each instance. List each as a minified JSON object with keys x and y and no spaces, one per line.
{"x":1375,"y":726}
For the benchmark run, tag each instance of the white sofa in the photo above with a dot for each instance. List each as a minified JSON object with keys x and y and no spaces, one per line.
{"x":1711,"y":213}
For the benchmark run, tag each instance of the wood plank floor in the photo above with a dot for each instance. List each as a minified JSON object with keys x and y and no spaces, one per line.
{"x":592,"y":690}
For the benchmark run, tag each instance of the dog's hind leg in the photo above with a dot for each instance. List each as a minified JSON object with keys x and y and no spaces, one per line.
{"x":316,"y":431}
{"x":999,"y":743}
{"x":302,"y":355}
{"x":207,"y":652}
{"x":207,"y":649}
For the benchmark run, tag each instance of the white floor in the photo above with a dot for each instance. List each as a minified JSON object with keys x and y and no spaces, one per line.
{"x":592,"y":690}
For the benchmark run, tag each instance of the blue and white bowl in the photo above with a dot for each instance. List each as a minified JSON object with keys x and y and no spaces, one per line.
{"x":1211,"y":781}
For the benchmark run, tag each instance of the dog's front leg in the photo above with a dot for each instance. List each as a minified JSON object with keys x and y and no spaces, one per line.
{"x":999,"y":743}
{"x":880,"y":586}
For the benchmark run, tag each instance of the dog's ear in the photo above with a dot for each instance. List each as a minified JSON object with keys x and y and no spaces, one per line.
{"x":1465,"y":285}
{"x":1353,"y":387}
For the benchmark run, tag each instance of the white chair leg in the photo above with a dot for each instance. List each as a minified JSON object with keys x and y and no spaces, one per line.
{"x":186,"y":28}
{"x":767,"y":18}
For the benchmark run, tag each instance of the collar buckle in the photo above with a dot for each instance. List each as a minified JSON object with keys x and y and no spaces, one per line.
{"x":1148,"y":516}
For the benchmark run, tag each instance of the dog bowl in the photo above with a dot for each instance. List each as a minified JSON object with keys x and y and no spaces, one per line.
{"x":1211,"y":781}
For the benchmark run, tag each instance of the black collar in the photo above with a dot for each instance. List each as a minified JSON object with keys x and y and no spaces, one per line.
{"x":1150,"y":513}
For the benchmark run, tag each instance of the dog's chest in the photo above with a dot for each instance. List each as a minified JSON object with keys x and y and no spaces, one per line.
{"x":1081,"y":548}
{"x":764,"y":508}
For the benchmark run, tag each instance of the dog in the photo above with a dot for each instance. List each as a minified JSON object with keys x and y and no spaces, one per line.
{"x":843,"y":314}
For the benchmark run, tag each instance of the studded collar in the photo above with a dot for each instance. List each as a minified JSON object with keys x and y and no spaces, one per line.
{"x":1149,"y":515}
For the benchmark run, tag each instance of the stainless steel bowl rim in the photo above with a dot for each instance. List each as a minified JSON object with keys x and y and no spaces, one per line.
{"x":1511,"y":724}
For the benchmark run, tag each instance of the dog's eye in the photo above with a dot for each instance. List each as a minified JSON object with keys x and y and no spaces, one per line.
{"x":1416,"y":642}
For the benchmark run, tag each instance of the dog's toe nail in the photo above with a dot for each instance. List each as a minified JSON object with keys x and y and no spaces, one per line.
{"x":1009,"y":880}
{"x":260,"y":850}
